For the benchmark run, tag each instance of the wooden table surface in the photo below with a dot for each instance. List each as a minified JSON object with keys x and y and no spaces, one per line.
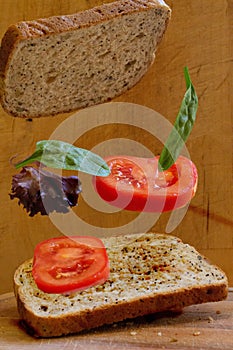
{"x":207,"y":326}
{"x":199,"y":36}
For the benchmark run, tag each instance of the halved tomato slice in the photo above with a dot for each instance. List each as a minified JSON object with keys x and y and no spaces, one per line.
{"x":67,"y":264}
{"x":136,"y":184}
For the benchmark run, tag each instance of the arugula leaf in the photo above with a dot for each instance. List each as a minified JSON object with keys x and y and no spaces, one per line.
{"x":182,"y":127}
{"x":63,"y":155}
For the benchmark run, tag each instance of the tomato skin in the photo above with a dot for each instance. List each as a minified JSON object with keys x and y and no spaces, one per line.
{"x":69,"y":264}
{"x":135,"y":184}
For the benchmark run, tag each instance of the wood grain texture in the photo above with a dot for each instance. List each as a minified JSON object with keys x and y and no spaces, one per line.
{"x":207,"y":327}
{"x":199,"y":36}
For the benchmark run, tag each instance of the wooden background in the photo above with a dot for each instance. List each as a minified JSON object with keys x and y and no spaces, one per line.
{"x":199,"y":36}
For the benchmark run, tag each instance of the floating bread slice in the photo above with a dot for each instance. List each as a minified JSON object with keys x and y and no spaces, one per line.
{"x":148,"y":273}
{"x":63,"y":63}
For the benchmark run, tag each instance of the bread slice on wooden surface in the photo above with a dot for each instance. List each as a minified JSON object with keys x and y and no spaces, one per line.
{"x":59,"y":64}
{"x":148,"y":273}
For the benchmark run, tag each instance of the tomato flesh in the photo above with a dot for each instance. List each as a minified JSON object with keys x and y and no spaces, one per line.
{"x":68,"y":264}
{"x":136,"y":184}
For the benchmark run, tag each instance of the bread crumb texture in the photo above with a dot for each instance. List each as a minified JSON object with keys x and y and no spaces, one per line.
{"x":148,"y":273}
{"x":65,"y":63}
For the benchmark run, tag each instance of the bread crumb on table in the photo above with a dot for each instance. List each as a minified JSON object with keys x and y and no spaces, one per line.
{"x":196,"y":333}
{"x":173,"y":340}
{"x":133,"y":333}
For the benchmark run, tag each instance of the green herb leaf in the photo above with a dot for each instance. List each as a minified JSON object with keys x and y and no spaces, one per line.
{"x":182,"y":127}
{"x":62,"y":155}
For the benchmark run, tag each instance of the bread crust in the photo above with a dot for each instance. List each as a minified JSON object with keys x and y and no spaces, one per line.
{"x":9,"y":42}
{"x":54,"y":25}
{"x":71,"y":323}
{"x":154,"y":301}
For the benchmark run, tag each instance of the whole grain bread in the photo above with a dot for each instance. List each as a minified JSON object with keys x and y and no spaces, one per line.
{"x":63,"y":63}
{"x":148,"y":273}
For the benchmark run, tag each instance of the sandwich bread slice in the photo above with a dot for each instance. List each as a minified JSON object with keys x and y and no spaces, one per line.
{"x":148,"y":273}
{"x":64,"y":63}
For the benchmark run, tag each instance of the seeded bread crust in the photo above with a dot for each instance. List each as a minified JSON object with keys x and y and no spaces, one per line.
{"x":55,"y":89}
{"x":148,"y":273}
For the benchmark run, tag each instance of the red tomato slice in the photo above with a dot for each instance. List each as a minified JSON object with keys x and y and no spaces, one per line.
{"x":67,"y":264}
{"x":135,"y":184}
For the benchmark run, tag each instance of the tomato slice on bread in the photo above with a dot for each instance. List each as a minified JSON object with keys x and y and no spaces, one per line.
{"x":67,"y":264}
{"x":136,"y":184}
